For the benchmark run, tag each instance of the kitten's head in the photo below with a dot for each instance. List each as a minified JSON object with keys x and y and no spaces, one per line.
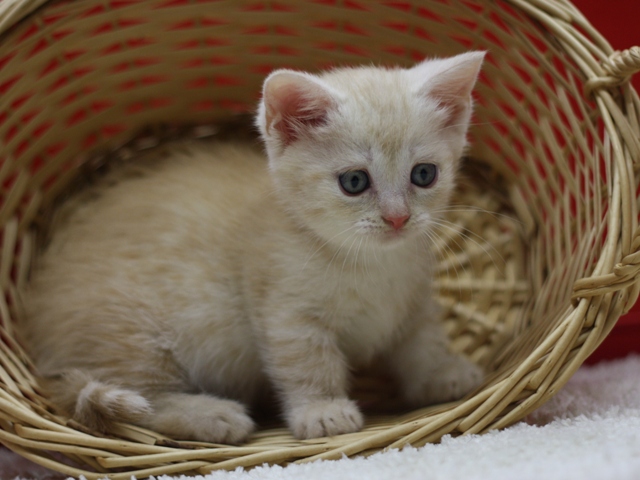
{"x":368,"y":152}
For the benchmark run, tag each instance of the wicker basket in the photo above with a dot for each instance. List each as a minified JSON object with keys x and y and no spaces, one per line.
{"x":530,"y":290}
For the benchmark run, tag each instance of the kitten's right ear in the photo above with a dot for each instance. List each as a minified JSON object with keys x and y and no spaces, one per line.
{"x":293,"y":103}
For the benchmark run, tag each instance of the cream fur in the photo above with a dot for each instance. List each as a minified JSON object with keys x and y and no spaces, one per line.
{"x":195,"y":281}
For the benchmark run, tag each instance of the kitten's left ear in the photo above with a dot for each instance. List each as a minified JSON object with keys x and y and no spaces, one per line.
{"x":450,"y":81}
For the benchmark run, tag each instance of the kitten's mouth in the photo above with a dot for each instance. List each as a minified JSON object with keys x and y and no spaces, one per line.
{"x":392,"y":235}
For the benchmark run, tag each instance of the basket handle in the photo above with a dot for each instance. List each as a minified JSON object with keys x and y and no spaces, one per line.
{"x":623,"y":64}
{"x":625,"y":275}
{"x":618,"y":69}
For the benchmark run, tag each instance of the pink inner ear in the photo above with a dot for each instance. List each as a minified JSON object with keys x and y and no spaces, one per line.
{"x":450,"y":82}
{"x":294,"y":105}
{"x":456,"y":105}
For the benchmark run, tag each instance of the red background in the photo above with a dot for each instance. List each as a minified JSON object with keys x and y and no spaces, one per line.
{"x":618,"y":21}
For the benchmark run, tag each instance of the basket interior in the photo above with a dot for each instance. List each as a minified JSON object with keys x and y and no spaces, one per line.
{"x":79,"y":79}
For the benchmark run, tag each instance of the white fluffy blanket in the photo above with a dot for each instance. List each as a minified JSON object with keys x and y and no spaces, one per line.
{"x":589,"y":431}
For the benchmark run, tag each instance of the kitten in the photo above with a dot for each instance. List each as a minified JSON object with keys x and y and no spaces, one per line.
{"x":176,"y":291}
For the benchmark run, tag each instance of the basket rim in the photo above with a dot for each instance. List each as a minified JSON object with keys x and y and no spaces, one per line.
{"x":13,"y":11}
{"x":613,"y":285}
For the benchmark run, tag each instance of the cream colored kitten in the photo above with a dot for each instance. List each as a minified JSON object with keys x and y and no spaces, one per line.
{"x":176,"y":291}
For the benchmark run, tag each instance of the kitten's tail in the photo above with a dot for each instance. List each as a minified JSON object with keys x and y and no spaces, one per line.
{"x":94,"y":403}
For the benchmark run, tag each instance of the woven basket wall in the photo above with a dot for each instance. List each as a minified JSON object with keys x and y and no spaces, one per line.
{"x":530,"y":288}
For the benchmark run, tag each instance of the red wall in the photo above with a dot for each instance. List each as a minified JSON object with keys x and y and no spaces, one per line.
{"x":619,"y":23}
{"x":617,"y":20}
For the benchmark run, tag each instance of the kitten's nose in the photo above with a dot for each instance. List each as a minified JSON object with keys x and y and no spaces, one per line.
{"x":396,"y":222}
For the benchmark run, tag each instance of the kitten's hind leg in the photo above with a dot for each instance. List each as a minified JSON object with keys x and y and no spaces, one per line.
{"x":201,"y":417}
{"x":97,"y":404}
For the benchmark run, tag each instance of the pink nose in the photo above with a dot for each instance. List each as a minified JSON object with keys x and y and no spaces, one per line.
{"x":396,"y":222}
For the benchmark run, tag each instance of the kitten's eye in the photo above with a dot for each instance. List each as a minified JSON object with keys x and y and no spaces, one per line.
{"x":354,"y":182}
{"x":424,"y":174}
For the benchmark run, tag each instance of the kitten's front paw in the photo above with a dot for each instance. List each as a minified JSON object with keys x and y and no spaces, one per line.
{"x":227,"y":423}
{"x":200,"y":417}
{"x":453,"y":380}
{"x":324,"y":418}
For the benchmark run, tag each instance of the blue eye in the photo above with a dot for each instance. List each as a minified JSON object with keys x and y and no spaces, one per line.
{"x":354,"y":182}
{"x":424,"y":174}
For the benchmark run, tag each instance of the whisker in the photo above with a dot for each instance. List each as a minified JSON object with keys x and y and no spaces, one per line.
{"x":354,"y":264}
{"x":425,"y":237}
{"x":309,"y":257}
{"x":453,"y":254}
{"x":429,"y":236}
{"x":335,"y":255}
{"x":380,"y":264}
{"x":471,"y":124}
{"x":465,"y":208}
{"x":450,"y":225}
{"x":346,"y":257}
{"x":372,"y":278}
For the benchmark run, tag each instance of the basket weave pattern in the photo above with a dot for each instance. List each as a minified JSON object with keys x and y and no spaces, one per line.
{"x":530,"y":290}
